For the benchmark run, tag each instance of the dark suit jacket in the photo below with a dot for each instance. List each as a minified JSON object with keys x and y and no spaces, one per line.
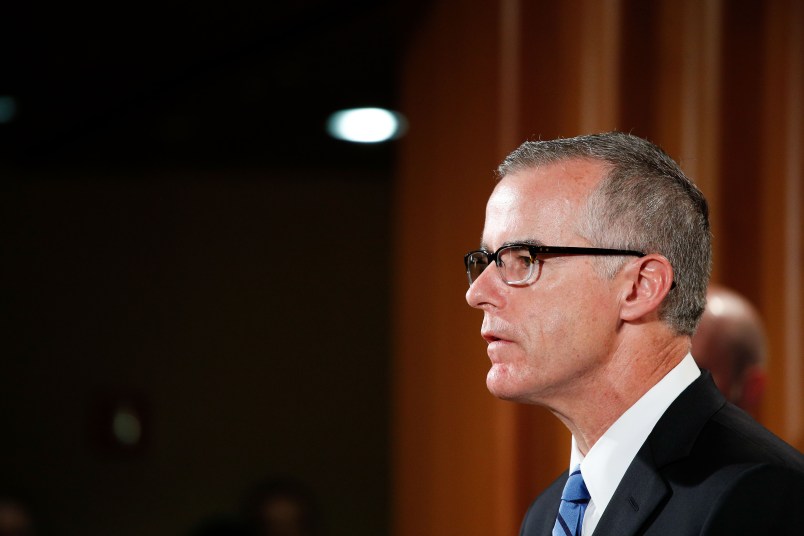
{"x":706,"y":468}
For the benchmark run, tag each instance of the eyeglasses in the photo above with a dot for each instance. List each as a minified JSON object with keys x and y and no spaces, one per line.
{"x":517,"y":262}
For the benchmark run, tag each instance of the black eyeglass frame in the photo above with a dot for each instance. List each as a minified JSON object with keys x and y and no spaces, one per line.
{"x":544,"y":250}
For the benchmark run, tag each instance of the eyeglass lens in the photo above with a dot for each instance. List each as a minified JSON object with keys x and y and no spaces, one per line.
{"x":515,"y":264}
{"x":476,"y":262}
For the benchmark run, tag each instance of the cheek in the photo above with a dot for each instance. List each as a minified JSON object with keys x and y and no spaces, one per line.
{"x":564,"y":327}
{"x":548,"y":320}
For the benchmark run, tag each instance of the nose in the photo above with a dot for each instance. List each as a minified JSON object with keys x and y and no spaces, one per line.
{"x":488,"y":290}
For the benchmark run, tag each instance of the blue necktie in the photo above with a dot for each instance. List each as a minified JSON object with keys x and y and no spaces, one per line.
{"x":573,"y":505}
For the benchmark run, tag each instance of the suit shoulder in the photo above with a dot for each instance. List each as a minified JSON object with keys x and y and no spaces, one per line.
{"x":733,"y":437}
{"x":757,"y":502}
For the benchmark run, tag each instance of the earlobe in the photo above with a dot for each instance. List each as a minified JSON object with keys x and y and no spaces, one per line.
{"x":651,"y":278}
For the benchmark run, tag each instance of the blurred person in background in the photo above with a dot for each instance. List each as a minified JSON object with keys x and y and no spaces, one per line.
{"x":730,"y":343}
{"x":280,"y":506}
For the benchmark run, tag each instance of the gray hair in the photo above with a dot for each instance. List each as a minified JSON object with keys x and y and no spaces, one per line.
{"x":644,"y":203}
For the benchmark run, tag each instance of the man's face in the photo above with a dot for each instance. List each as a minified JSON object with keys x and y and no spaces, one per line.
{"x":547,"y":339}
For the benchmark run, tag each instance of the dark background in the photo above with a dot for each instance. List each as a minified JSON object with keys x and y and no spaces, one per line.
{"x":179,"y":234}
{"x":197,"y":83}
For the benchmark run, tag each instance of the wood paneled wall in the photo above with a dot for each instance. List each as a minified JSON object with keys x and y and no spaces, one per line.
{"x":718,"y":84}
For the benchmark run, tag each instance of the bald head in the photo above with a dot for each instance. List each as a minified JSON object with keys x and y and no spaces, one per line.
{"x":730,"y":343}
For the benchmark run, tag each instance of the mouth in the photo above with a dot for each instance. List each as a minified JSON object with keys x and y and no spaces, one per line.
{"x":489,"y":338}
{"x":498,"y":336}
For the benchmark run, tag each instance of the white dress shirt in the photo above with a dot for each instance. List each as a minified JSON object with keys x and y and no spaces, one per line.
{"x":606,"y":462}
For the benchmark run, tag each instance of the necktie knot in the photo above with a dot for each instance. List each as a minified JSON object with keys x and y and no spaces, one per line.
{"x":575,"y":488}
{"x":574,"y":500}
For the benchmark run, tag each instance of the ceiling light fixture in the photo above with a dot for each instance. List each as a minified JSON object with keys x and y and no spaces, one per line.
{"x":366,"y":125}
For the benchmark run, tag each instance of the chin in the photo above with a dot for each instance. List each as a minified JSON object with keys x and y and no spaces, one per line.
{"x":502,"y":387}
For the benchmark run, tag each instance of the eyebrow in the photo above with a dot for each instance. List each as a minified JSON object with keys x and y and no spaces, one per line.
{"x":525,"y":241}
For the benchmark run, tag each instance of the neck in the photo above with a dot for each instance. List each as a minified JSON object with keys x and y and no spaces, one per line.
{"x":629,"y":373}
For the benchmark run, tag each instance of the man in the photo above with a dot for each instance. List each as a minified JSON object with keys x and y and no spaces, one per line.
{"x":601,"y":253}
{"x":730,"y":343}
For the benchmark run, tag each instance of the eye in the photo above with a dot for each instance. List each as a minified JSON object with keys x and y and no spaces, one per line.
{"x":519,"y":258}
{"x":516,"y":258}
{"x":522,"y":261}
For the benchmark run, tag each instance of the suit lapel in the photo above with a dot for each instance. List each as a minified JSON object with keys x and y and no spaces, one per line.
{"x":640,"y":492}
{"x":541,"y":515}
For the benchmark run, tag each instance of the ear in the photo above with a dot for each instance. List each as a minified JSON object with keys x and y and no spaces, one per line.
{"x":650,"y":278}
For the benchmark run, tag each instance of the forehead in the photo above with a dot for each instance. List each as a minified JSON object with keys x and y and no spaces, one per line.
{"x":541,"y":203}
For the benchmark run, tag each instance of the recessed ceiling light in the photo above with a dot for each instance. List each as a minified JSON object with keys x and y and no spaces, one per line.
{"x":366,"y":125}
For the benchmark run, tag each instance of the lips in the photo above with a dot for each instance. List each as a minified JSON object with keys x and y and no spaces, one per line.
{"x":495,"y":330}
{"x":499,"y":336}
{"x":490,"y":337}
{"x":496,"y":340}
